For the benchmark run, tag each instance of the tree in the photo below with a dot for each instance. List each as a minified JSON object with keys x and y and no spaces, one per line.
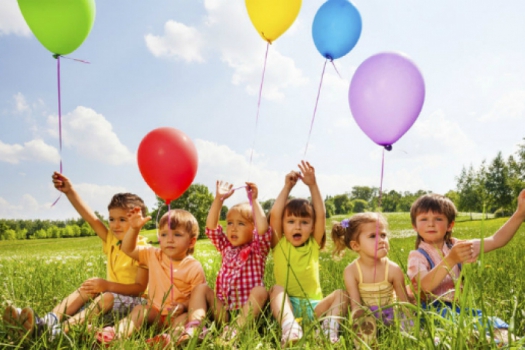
{"x":267,"y":205}
{"x":342,"y":204}
{"x":330,"y":207}
{"x":467,"y":191}
{"x":359,"y":205}
{"x":497,"y":183}
{"x":224,"y":212}
{"x":390,"y":201}
{"x":197,"y":200}
{"x":363,"y":192}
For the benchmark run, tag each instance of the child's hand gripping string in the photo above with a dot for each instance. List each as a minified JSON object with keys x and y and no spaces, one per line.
{"x":461,"y":251}
{"x":61,"y":182}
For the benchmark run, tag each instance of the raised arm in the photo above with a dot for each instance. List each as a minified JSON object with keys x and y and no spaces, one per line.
{"x":276,"y":214}
{"x":222,"y":191}
{"x":261,"y":223}
{"x":308,"y":177}
{"x":508,"y":230}
{"x":129,"y":243}
{"x":460,"y":252}
{"x":63,"y":184}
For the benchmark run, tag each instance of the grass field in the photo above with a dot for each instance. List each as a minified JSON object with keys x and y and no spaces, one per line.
{"x":40,"y":273}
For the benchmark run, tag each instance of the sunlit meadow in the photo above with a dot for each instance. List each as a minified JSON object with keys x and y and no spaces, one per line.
{"x":39,"y":273}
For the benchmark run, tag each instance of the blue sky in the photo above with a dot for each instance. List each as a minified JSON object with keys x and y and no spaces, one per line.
{"x":196,"y":65}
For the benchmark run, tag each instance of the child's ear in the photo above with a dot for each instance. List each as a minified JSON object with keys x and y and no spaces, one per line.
{"x":354,"y":245}
{"x":192,"y":242}
{"x":451,"y":226}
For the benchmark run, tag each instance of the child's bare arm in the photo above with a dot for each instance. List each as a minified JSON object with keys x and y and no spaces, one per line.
{"x":129,"y":243}
{"x":350,"y":279}
{"x":63,"y":184}
{"x":222,"y":191}
{"x":508,"y":230}
{"x":276,"y":213}
{"x":398,"y":281}
{"x":99,"y":285}
{"x":261,"y":223}
{"x":460,"y":252}
{"x":308,"y":177}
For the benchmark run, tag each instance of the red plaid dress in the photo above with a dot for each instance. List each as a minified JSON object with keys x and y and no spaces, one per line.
{"x":242,"y":267}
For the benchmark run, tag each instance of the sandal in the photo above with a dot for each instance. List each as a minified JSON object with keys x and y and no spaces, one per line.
{"x":11,"y":318}
{"x":292,"y":333}
{"x":364,"y":327}
{"x":106,"y":335}
{"x":161,"y":341}
{"x":330,"y":330}
{"x":228,"y":334}
{"x":189,"y":333}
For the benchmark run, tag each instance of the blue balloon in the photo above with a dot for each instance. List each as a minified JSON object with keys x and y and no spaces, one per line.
{"x":336,"y":28}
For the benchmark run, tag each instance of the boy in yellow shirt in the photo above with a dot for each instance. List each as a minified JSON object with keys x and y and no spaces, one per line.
{"x":121,"y":290}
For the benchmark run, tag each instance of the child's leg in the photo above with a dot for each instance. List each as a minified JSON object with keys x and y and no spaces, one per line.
{"x":71,"y":304}
{"x":135,"y":320}
{"x":332,"y":308}
{"x":282,"y":312}
{"x":258,"y":297}
{"x":203,"y":298}
{"x":101,"y":305}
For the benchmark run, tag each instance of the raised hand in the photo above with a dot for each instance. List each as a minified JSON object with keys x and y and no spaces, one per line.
{"x":253,"y":188}
{"x":61,"y":182}
{"x":291,"y":179}
{"x":521,"y":203}
{"x":136,"y":221}
{"x":307,"y":173}
{"x":223,"y":190}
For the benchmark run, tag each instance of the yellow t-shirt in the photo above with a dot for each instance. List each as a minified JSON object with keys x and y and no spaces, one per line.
{"x":120,"y":267}
{"x":297,"y":268}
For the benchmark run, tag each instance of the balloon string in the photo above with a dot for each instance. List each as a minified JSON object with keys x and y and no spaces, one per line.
{"x":233,"y":190}
{"x":315,"y":110}
{"x":171,"y":261}
{"x":59,"y":121}
{"x":250,"y":199}
{"x":73,"y":59}
{"x":379,"y":210}
{"x":333,"y":64}
{"x":258,"y":106}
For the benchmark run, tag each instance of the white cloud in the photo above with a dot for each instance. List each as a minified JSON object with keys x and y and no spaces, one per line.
{"x":509,"y":107}
{"x":227,"y":29}
{"x":178,"y":41}
{"x":26,"y":208}
{"x":34,"y":150}
{"x":443,"y":134}
{"x":21,"y":105}
{"x":11,"y":19}
{"x":92,"y":136}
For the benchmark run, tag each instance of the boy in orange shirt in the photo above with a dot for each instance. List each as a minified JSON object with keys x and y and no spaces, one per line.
{"x":173,"y":273}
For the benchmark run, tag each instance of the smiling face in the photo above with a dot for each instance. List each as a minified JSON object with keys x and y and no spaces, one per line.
{"x":239,"y":229}
{"x":369,"y":233}
{"x":176,"y":244}
{"x":118,"y":222}
{"x":432,"y":227}
{"x":296,"y":229}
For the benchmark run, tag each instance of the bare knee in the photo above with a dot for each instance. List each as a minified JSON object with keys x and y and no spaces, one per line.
{"x":105,"y":302}
{"x":259,"y":294}
{"x":275,"y":290}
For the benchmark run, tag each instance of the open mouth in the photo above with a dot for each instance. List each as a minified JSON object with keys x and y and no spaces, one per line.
{"x":297,"y":236}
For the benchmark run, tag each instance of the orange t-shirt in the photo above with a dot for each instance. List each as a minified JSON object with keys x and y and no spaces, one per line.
{"x":186,"y":275}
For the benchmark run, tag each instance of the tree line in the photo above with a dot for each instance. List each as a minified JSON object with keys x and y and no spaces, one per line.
{"x":491,"y":188}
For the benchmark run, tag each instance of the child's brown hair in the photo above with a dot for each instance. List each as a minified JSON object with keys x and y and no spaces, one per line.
{"x":302,"y":208}
{"x":180,"y":217}
{"x":348,"y":230}
{"x":127,"y":201}
{"x":435,"y":203}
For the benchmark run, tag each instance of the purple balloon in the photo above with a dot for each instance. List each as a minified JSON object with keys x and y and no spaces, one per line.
{"x":386,"y":96}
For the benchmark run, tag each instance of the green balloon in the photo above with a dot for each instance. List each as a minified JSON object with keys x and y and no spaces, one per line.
{"x":60,"y":25}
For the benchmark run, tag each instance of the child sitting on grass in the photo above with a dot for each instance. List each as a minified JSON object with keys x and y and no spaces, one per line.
{"x":244,"y":248}
{"x":435,"y":266}
{"x":298,"y":236}
{"x":116,"y":295}
{"x":173,"y":274}
{"x":372,"y":281}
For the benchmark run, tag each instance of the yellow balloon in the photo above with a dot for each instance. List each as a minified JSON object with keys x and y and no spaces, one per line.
{"x":272,"y":18}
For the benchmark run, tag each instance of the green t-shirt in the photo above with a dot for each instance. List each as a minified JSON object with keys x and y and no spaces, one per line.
{"x":297,"y":268}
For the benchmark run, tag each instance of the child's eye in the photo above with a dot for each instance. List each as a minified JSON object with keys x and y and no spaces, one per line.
{"x":242,"y":224}
{"x":163,"y":234}
{"x":383,"y":235}
{"x":229,"y":223}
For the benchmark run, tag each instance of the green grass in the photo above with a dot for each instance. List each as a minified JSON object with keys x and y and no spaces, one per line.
{"x":40,"y":273}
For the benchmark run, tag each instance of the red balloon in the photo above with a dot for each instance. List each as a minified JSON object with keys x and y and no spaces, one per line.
{"x":168,"y":161}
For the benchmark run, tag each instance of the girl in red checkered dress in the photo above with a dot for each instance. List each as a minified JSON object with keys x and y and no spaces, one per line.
{"x":239,"y":285}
